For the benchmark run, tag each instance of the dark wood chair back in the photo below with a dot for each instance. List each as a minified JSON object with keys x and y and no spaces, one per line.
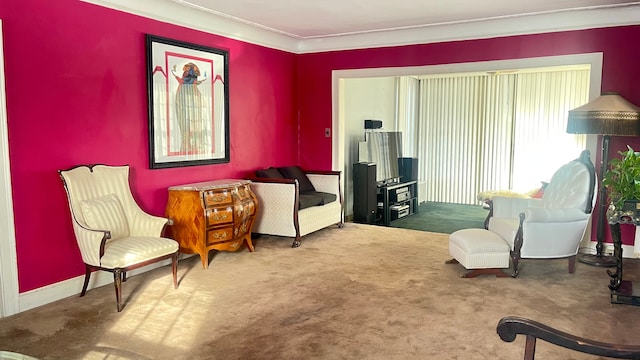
{"x":510,"y":326}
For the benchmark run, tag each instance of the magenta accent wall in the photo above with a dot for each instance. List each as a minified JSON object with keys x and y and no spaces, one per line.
{"x":76,"y":94}
{"x":621,"y":73}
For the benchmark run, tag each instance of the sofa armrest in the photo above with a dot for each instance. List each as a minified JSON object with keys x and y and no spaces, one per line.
{"x":551,"y":215}
{"x":91,"y":242}
{"x":508,"y":207}
{"x":328,"y":182}
{"x":277,"y":206}
{"x":272,"y":180}
{"x":145,"y":224}
{"x":323,"y":172}
{"x":286,"y":190}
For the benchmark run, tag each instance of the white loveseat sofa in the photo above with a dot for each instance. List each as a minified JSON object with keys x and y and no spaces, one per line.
{"x":287,"y":206}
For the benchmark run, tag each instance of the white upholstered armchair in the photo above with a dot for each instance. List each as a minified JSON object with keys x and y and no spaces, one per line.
{"x":111,"y":230}
{"x":550,"y":227}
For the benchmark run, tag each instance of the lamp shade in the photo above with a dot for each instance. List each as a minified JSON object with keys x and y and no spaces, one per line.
{"x":608,"y":114}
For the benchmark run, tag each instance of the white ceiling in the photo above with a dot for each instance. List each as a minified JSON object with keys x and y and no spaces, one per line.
{"x":312,"y":19}
{"x":307,"y":26}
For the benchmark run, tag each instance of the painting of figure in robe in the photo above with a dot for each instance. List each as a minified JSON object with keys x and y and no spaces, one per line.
{"x":190,"y":109}
{"x":188,"y":103}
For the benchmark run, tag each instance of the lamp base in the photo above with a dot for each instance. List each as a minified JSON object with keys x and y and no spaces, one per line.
{"x":598,"y":260}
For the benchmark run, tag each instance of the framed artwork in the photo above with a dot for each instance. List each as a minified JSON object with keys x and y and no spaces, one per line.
{"x":188,"y":92}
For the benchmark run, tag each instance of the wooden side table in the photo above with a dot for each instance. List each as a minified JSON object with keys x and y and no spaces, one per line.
{"x":212,"y":215}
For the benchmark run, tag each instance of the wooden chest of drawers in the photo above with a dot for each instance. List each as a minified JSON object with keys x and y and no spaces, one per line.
{"x":212,"y":215}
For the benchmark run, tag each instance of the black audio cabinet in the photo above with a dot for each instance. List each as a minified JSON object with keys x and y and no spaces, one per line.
{"x":373,"y":204}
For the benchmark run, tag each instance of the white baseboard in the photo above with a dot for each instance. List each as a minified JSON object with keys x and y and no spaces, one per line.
{"x":607,"y":249}
{"x":71,"y":287}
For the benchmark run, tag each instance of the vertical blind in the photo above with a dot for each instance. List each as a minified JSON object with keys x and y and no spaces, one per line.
{"x":491,"y":131}
{"x":541,"y":141}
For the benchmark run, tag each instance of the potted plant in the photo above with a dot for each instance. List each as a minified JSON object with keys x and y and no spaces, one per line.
{"x":622,"y":180}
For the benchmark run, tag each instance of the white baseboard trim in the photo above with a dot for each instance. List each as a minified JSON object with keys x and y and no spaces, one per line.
{"x":70,"y":287}
{"x":607,"y":249}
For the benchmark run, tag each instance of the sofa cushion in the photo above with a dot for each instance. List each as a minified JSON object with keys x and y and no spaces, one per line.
{"x":315,"y":198}
{"x":294,"y":172}
{"x":270,"y":173}
{"x":327,"y":197}
{"x":309,"y":199}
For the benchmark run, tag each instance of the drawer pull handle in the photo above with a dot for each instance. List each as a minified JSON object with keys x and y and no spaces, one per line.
{"x":220,"y":216}
{"x":220,"y":235}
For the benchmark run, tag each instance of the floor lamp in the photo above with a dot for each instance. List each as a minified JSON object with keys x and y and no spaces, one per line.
{"x":606,"y":115}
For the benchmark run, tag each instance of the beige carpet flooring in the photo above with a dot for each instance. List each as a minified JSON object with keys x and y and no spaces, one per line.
{"x":361,"y":292}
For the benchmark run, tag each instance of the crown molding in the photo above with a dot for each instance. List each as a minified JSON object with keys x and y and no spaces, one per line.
{"x":174,"y":13}
{"x":482,"y":29}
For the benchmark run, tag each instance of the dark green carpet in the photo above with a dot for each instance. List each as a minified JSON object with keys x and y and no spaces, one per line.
{"x":444,"y":218}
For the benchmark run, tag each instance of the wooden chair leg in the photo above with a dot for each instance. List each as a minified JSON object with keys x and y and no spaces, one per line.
{"x":87,"y":275}
{"x":530,"y":348}
{"x":296,"y":226}
{"x":296,"y":242}
{"x":515,"y":259}
{"x":117,"y":280}
{"x":174,"y":269}
{"x":491,"y":271}
{"x":572,"y":264}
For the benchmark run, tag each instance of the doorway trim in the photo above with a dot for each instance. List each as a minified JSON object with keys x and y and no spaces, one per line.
{"x":338,"y":77}
{"x":9,"y":293}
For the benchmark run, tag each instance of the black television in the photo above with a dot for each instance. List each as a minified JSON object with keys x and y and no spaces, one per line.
{"x":382,"y":148}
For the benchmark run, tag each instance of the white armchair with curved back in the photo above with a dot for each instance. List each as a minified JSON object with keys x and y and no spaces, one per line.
{"x":111,"y":230}
{"x":552,"y":226}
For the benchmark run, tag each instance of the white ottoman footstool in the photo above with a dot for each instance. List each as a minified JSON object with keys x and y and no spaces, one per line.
{"x":480,"y":251}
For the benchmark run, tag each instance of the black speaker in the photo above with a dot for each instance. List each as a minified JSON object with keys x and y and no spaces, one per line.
{"x":372,"y":124}
{"x":365,"y":193}
{"x":408,"y":168}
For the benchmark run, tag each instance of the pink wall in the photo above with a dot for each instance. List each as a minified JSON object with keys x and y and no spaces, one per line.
{"x":76,"y":94}
{"x":621,"y":73}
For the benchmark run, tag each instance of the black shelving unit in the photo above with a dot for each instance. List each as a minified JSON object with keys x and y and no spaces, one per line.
{"x":396,"y":201}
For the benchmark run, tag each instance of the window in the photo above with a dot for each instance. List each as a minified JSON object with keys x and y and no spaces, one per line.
{"x":492,"y":130}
